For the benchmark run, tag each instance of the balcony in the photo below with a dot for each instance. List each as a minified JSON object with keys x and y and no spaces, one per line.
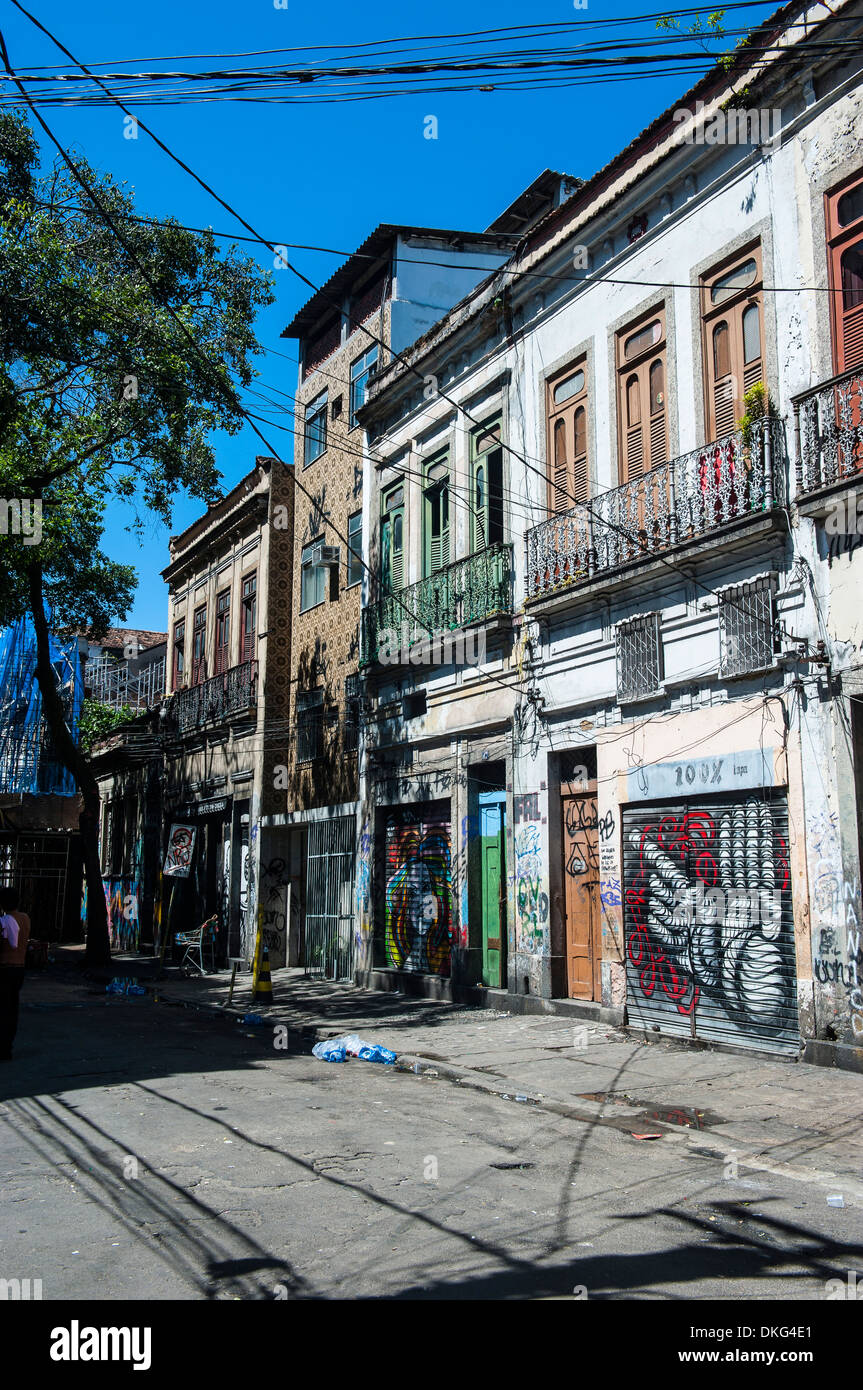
{"x":473,"y":590}
{"x":828,"y":430}
{"x":690,"y":497}
{"x":232,"y":693}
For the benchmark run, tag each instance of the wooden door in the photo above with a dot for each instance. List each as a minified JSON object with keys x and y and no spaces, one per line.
{"x":583,"y":940}
{"x":492,"y":887}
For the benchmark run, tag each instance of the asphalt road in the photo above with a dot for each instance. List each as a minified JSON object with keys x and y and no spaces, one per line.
{"x":155,"y":1152}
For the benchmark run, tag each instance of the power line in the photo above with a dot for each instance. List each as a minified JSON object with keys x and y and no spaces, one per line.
{"x":639,"y":541}
{"x":225,"y":387}
{"x":588,"y":279}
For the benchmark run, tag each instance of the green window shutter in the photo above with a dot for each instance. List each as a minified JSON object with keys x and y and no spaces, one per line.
{"x":480,"y":517}
{"x":397,"y":552}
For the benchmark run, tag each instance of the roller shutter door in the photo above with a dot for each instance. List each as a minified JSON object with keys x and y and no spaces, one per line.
{"x":418,"y":899}
{"x":708,"y":921}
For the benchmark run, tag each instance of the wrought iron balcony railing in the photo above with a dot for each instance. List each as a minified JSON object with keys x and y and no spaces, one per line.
{"x":471,"y":590}
{"x":691,"y":496}
{"x":231,"y":693}
{"x":828,"y":432}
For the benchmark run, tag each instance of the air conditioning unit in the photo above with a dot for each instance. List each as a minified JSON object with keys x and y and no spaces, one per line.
{"x":322,"y":555}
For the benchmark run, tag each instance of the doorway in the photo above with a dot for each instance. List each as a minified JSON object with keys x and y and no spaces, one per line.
{"x":491,"y":811}
{"x":582,"y":918}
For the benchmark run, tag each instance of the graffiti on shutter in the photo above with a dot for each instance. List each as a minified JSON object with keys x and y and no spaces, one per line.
{"x":708,"y":921}
{"x":418,"y":898}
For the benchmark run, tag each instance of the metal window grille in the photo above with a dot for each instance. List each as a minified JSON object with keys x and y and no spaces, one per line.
{"x":329,"y":934}
{"x":746,"y":628}
{"x":310,"y":725}
{"x":639,"y":657}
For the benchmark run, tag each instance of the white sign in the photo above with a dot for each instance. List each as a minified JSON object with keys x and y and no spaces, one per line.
{"x":178,"y":856}
{"x":703,"y":776}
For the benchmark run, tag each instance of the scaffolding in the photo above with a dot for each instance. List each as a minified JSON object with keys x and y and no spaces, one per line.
{"x":111,"y":683}
{"x":28,"y":758}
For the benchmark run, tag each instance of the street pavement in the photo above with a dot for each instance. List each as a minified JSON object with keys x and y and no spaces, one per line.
{"x":158,"y":1147}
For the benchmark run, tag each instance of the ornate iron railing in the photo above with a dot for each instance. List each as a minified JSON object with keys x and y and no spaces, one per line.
{"x":690,"y":496}
{"x":828,"y":432}
{"x":468,"y":591}
{"x":233,"y":692}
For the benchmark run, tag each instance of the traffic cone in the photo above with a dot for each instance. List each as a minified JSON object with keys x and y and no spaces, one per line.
{"x":262,"y":989}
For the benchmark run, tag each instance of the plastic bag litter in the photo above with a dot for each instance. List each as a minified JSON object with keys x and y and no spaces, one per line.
{"x":255,"y":1020}
{"x":351,"y":1045}
{"x":120,"y":985}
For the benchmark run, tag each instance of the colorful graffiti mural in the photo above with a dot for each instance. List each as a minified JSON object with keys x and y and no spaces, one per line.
{"x":122,"y":896}
{"x":708,"y":912}
{"x":419,"y":897}
{"x":531,"y":899}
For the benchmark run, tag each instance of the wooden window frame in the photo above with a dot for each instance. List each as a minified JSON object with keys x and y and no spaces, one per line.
{"x":223,"y":632}
{"x":316,"y":409}
{"x":441,"y":485}
{"x":199,"y":657}
{"x":839,"y":240}
{"x":740,"y":376}
{"x":389,"y":510}
{"x":654,"y":451}
{"x":354,"y":561}
{"x":569,"y":481}
{"x":487,"y":520}
{"x":248,"y":601}
{"x":179,"y":648}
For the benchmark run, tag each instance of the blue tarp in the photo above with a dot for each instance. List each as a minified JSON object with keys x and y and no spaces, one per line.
{"x":27,"y":759}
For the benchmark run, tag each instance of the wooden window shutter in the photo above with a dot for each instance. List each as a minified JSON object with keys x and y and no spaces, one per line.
{"x":392,"y":540}
{"x":641,"y":396}
{"x":397,"y":552}
{"x":733,"y":339}
{"x":579,"y":463}
{"x":567,"y":406}
{"x":658,"y":434}
{"x":440,"y":528}
{"x":634,"y":431}
{"x":561,"y":468}
{"x":436,"y":545}
{"x":845,"y":240}
{"x":480,"y":517}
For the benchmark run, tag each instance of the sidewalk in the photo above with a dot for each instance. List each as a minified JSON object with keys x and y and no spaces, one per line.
{"x":789,"y":1118}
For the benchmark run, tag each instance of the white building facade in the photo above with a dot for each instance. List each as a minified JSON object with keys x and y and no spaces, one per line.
{"x":642,"y":802}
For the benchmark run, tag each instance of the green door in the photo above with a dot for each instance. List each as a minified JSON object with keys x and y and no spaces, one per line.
{"x":493,"y":887}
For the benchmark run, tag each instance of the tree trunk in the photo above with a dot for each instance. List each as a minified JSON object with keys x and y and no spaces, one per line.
{"x":98,"y":948}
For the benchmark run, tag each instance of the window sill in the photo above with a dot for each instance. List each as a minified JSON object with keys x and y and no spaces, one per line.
{"x":312,"y":606}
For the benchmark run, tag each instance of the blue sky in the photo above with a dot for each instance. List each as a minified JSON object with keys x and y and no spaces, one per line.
{"x":323,"y":174}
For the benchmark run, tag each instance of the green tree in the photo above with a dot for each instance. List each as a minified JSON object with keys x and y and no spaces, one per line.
{"x":102,"y":397}
{"x":98,"y":721}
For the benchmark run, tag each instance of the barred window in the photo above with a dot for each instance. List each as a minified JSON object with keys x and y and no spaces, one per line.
{"x":310,"y":725}
{"x":746,"y":627}
{"x":639,"y":657}
{"x":352,"y":713}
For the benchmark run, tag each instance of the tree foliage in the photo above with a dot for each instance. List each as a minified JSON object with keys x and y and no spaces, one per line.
{"x":102,"y":396}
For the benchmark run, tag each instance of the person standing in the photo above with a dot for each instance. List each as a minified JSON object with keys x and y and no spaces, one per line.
{"x":14,"y":935}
